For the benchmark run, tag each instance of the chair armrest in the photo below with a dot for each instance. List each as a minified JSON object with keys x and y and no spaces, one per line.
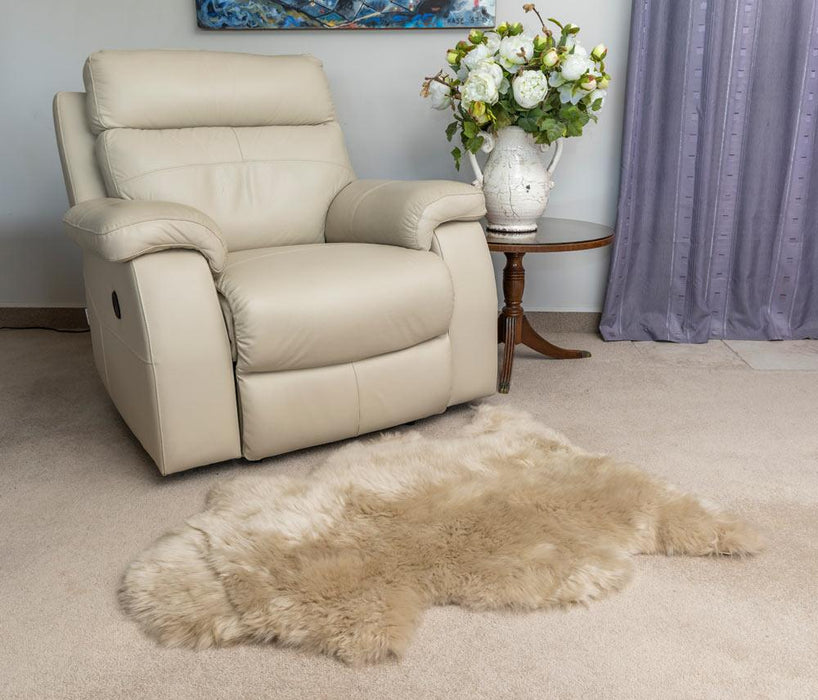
{"x":118,"y":230}
{"x":399,"y":212}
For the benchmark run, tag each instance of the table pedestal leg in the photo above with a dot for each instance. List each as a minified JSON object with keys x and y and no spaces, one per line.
{"x":535,"y":341}
{"x":513,"y":328}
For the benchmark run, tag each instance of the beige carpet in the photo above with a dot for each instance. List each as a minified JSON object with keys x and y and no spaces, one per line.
{"x":78,"y":499}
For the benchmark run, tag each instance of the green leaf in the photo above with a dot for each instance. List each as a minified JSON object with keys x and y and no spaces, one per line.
{"x":474,"y":144}
{"x":470,"y":129}
{"x":457,"y":154}
{"x":451,"y":130}
{"x":573,"y":129}
{"x":528,"y":124}
{"x":569,"y":112}
{"x":501,"y":116}
{"x":596,"y":104}
{"x":552,"y":128}
{"x":573,"y":118}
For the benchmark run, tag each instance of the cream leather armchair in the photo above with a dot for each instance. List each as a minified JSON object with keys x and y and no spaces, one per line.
{"x":246,"y":294}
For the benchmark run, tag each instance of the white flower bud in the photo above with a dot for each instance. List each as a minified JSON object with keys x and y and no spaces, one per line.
{"x":550,"y":58}
{"x":588,"y":83}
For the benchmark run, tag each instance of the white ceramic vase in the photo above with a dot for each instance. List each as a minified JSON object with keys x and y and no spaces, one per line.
{"x":515,"y":181}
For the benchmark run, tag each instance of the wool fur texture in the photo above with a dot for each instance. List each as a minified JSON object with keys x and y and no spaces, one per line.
{"x":507,"y":515}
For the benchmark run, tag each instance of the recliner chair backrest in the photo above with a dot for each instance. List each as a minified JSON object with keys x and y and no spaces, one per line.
{"x":249,"y":140}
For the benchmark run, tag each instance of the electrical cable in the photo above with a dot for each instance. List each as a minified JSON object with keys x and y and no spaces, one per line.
{"x":44,"y":328}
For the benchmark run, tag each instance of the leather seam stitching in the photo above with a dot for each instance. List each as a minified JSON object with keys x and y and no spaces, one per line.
{"x":127,"y":345}
{"x":249,"y":371}
{"x":448,"y":335}
{"x":114,"y":181}
{"x":422,"y":218}
{"x":427,"y":219}
{"x":98,"y":318}
{"x":161,"y":246}
{"x":361,"y":200}
{"x":274,"y":253}
{"x":357,"y":398}
{"x":230,"y":162}
{"x":153,"y":368}
{"x":169,"y":246}
{"x":100,"y":232}
{"x":238,"y":143}
{"x":442,"y":256}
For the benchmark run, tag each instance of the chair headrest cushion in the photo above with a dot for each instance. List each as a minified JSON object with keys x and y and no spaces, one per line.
{"x":177,"y":89}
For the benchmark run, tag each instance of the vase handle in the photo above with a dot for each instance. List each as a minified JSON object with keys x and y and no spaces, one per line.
{"x":555,"y":159}
{"x":487,"y":147}
{"x":478,"y":174}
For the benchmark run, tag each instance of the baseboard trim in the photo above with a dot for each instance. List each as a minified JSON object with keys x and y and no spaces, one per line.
{"x":568,"y":321}
{"x":46,"y":317}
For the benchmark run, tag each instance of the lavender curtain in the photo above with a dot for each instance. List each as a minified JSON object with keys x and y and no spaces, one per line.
{"x":717,"y":232}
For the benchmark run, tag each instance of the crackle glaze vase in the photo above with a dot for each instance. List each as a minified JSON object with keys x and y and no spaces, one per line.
{"x":515,"y":181}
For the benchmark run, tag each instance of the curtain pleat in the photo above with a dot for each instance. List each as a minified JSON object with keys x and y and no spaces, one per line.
{"x":717,"y":233}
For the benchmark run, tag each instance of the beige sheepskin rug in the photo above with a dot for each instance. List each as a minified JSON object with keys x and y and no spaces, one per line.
{"x":508,"y":515}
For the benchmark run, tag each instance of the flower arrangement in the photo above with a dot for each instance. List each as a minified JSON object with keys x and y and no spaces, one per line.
{"x":548,"y":85}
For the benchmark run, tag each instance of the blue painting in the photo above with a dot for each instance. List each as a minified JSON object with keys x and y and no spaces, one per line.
{"x":344,"y":14}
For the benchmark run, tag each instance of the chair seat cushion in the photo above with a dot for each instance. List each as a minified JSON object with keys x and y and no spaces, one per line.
{"x":305,"y":306}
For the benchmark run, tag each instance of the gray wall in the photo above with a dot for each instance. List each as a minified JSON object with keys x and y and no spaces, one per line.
{"x":375,"y":78}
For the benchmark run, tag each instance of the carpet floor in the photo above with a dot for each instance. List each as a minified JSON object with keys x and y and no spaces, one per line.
{"x":79,"y":499}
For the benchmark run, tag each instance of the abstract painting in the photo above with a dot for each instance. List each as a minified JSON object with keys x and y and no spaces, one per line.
{"x":344,"y":14}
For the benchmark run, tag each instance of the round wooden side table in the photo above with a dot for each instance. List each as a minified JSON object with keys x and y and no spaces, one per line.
{"x":513,"y":328}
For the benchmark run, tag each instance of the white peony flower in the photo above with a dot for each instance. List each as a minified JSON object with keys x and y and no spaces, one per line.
{"x":514,"y":51}
{"x":574,"y":67}
{"x":440,"y":95}
{"x":479,"y":87}
{"x":530,"y":88}
{"x":579,"y":49}
{"x":492,"y":43}
{"x":473,"y":57}
{"x":491,"y":67}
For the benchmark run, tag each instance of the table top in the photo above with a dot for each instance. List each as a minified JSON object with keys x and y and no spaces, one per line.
{"x":554,"y":236}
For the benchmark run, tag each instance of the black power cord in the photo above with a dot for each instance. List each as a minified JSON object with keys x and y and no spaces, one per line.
{"x":44,"y":328}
